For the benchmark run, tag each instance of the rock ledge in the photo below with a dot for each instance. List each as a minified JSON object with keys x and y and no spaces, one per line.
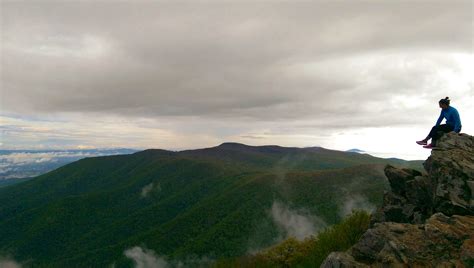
{"x":426,"y":220}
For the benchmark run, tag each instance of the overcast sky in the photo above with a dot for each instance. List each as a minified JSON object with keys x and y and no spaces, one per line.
{"x":193,"y":74}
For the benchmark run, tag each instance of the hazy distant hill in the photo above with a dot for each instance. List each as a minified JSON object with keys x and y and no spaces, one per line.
{"x":214,"y":202}
{"x":9,"y":182}
{"x":16,"y":164}
{"x":355,"y":150}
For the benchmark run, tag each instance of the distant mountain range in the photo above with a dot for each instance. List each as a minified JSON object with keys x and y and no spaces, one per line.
{"x":207,"y":203}
{"x":16,"y":164}
{"x":355,"y":150}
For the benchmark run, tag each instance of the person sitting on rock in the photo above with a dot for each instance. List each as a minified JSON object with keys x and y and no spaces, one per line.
{"x":453,"y":123}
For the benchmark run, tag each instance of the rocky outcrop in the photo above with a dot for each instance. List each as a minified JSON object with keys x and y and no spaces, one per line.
{"x":410,"y":199}
{"x":451,"y":168}
{"x":441,"y":241}
{"x":427,"y":219}
{"x":447,"y":187}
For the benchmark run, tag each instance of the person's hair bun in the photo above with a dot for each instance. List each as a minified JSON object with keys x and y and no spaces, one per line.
{"x":445,"y":101}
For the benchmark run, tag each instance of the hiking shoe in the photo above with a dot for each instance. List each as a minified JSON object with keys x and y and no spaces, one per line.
{"x":429,"y":146}
{"x":422,"y":142}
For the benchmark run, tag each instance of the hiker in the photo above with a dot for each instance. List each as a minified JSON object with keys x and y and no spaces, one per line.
{"x":453,"y":123}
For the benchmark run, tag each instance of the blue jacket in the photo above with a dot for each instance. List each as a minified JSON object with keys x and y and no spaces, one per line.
{"x":452,"y":118}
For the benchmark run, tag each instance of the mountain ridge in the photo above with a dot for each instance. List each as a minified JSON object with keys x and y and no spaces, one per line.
{"x":208,"y":202}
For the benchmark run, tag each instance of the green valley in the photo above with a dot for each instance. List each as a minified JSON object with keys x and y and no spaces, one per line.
{"x":215,"y":203}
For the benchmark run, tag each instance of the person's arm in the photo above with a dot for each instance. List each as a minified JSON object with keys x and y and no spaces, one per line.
{"x":441,"y":116}
{"x":457,"y":121}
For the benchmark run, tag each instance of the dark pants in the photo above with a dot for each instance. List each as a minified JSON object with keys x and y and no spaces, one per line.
{"x":438,"y":131}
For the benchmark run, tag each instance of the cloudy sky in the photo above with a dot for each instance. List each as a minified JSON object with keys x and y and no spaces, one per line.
{"x":192,"y":74}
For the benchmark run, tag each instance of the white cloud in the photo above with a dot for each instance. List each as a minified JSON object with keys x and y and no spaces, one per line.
{"x":8,"y":263}
{"x":20,"y":164}
{"x":356,"y":202}
{"x":23,"y":158}
{"x":145,"y":258}
{"x":82,"y":147}
{"x":295,"y":223}
{"x":147,"y":189}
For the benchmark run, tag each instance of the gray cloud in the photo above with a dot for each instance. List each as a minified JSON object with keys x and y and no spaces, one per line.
{"x":190,"y":74}
{"x":242,"y":60}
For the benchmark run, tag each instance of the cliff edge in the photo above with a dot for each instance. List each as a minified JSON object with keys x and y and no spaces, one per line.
{"x":427,"y":219}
